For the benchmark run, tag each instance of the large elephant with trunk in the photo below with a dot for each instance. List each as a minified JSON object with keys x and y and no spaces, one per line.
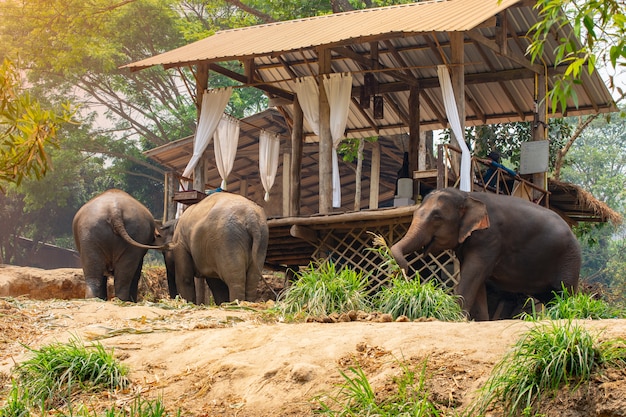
{"x":507,"y":242}
{"x":113,"y":231}
{"x":222,"y":239}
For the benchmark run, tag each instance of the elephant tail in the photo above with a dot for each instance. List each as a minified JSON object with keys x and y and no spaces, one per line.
{"x":259,"y":247}
{"x":118,"y":227}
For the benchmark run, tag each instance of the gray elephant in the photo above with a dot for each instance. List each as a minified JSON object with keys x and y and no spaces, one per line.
{"x":504,"y":241}
{"x":222,"y":239}
{"x":113,"y":231}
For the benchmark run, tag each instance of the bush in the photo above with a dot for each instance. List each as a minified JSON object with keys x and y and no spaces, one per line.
{"x":321,"y":290}
{"x":414,"y":299}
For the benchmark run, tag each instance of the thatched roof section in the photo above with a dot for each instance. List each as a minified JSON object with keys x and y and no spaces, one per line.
{"x":575,"y":204}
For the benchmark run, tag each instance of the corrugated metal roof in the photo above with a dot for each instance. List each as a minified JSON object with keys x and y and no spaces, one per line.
{"x":410,"y":40}
{"x":340,"y":28}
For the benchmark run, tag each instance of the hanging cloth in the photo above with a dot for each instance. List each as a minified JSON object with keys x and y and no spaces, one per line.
{"x":225,"y":146}
{"x":455,"y":124}
{"x":213,"y":104}
{"x":308,"y":97}
{"x":269,"y":145}
{"x":338,"y":89}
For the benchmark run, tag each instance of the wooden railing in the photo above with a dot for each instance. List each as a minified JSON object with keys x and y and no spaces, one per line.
{"x":500,"y":182}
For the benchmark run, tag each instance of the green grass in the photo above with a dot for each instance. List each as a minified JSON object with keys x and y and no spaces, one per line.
{"x":544,"y":360}
{"x":414,"y":299}
{"x":56,"y":372}
{"x":50,"y":382}
{"x":321,"y":290}
{"x":576,"y":306}
{"x":356,"y":397}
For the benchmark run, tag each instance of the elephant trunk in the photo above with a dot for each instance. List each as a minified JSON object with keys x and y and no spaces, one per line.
{"x":415,"y":239}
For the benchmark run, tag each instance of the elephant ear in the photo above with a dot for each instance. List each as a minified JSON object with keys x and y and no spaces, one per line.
{"x":473,"y":217}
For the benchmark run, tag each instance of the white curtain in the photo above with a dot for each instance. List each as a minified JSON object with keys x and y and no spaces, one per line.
{"x":338,"y":89}
{"x":225,"y":145}
{"x":308,"y":97}
{"x":213,"y":104}
{"x":455,"y":124}
{"x":269,"y":145}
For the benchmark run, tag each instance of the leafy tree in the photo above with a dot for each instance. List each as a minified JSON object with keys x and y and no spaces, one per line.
{"x":597,"y":162}
{"x":26,"y":129}
{"x":599,"y":26}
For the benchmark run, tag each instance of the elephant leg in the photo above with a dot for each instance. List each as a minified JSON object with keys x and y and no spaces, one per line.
{"x":480,"y":310}
{"x":253,"y":277}
{"x":185,"y":280}
{"x":219,"y":289}
{"x":95,"y":278}
{"x":471,"y":288}
{"x":126,"y":276}
{"x":134,"y":285}
{"x":203,"y":293}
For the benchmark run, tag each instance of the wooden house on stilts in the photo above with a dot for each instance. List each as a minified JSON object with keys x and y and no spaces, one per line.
{"x":393,"y":73}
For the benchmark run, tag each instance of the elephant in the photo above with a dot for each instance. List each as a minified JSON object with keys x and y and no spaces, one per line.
{"x":113,"y":231}
{"x":222,"y":239}
{"x":508,"y":242}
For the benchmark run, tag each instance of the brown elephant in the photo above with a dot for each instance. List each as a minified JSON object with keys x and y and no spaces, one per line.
{"x":222,"y":239}
{"x":113,"y":231}
{"x":510,"y":243}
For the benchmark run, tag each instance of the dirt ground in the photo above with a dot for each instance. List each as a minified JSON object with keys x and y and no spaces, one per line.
{"x":234,"y":362}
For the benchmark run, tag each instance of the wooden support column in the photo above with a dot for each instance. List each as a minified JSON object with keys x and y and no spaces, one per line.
{"x":243,"y":187}
{"x":326,"y":141}
{"x":458,"y":84}
{"x":202,"y":82}
{"x":375,"y":176}
{"x":297,"y":140}
{"x":286,"y":182}
{"x":171,"y":185}
{"x":540,"y":127}
{"x":414,"y":132}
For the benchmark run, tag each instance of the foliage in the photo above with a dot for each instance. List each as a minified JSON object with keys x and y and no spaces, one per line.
{"x":57,"y":371}
{"x":356,"y":396}
{"x":321,"y":290}
{"x":566,"y":306}
{"x":598,"y":38}
{"x":507,"y":139}
{"x":411,"y":297}
{"x":546,"y":358}
{"x":415,"y":299}
{"x":26,"y":129}
{"x":597,"y":162}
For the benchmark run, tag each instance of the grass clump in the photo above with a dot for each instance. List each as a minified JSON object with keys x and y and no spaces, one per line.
{"x":321,"y":290}
{"x":58,"y":371}
{"x":414,"y":299}
{"x":356,"y":396}
{"x":569,"y":306}
{"x":545,"y":359}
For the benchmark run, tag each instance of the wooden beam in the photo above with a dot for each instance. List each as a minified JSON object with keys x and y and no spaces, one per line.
{"x":270,"y":89}
{"x":297,"y":138}
{"x":480,"y":38}
{"x":375,"y":175}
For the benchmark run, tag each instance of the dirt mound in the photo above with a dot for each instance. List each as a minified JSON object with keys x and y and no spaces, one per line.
{"x":231,"y":362}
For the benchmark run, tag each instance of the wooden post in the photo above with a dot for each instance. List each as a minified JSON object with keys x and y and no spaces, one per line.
{"x":326,"y":141}
{"x":243,"y":187}
{"x":375,"y":176}
{"x":297,"y":140}
{"x":202,"y":82}
{"x":414,"y":133}
{"x":458,"y":85}
{"x":540,"y":127}
{"x":286,"y":182}
{"x":171,"y":185}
